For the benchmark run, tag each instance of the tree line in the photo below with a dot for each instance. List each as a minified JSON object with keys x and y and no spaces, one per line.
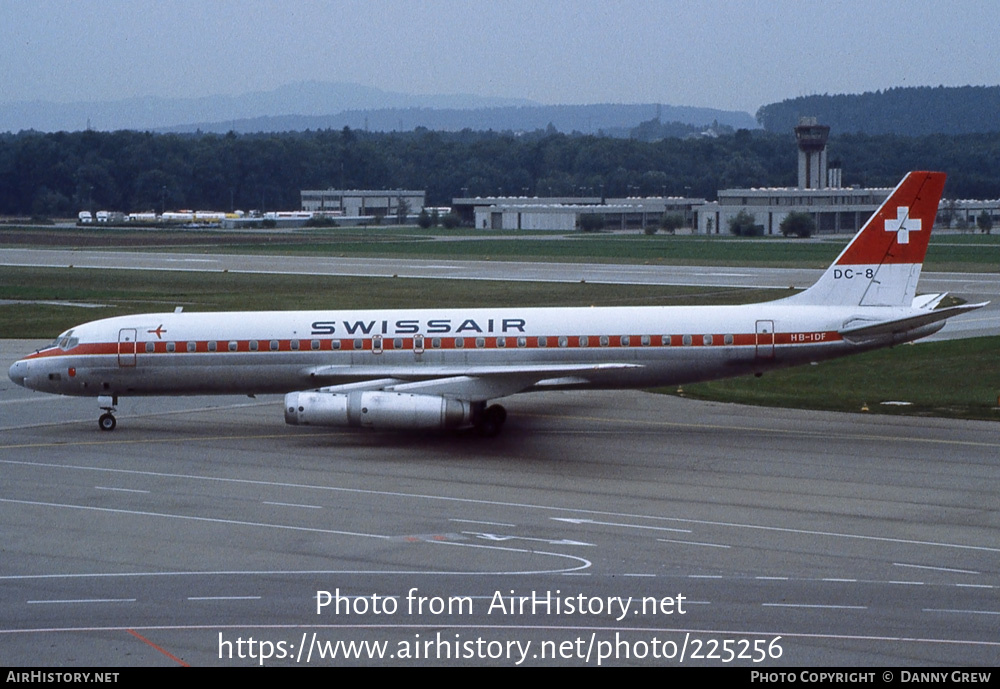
{"x":908,"y":111}
{"x":58,"y":174}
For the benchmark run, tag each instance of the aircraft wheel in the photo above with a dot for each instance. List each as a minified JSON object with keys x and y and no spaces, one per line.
{"x":107,"y":422}
{"x":492,"y":421}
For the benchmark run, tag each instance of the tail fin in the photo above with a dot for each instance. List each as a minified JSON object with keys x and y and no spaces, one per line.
{"x":881,"y":265}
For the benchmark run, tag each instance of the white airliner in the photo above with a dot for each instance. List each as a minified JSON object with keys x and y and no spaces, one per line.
{"x":440,"y":368}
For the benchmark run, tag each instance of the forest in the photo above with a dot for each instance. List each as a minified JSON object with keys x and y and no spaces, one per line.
{"x":58,"y":174}
{"x":909,"y":111}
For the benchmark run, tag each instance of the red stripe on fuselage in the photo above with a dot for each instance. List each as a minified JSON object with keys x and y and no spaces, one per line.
{"x":449,"y":343}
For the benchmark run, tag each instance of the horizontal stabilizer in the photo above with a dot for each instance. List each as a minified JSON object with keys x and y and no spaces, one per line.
{"x":901,"y":325}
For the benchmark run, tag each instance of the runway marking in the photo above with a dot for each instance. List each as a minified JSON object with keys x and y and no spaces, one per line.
{"x":773,"y":578}
{"x":937,"y":569}
{"x":199,"y":598}
{"x":584,"y":562}
{"x":770,"y":431}
{"x":147,"y":415}
{"x":963,"y":612}
{"x":808,"y":605}
{"x":503,"y":537}
{"x":186,"y":517}
{"x":292,"y":504}
{"x":81,"y":600}
{"x":832,"y":580}
{"x":707,"y":545}
{"x":158,"y":648}
{"x":496,"y":503}
{"x":121,"y":490}
{"x":476,"y":521}
{"x":905,"y":583}
{"x":627,"y":526}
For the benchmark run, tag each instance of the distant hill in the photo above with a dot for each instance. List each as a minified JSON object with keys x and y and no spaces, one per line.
{"x":309,"y":98}
{"x":613,"y":120}
{"x":907,"y":111}
{"x":320,"y":105}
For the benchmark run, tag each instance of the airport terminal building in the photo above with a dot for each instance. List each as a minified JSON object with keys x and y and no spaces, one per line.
{"x":819,"y":193}
{"x":361,"y":203}
{"x":565,"y":213}
{"x":835,"y":209}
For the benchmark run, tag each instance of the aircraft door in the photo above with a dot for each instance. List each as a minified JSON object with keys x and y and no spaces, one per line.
{"x":765,"y":339}
{"x":418,"y":344}
{"x":126,"y":347}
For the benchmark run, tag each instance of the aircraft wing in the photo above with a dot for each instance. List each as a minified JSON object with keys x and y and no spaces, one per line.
{"x":472,"y":383}
{"x":861,"y":330}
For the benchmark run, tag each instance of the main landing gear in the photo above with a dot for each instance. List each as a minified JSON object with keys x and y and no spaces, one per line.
{"x":489,"y":420}
{"x":107,"y":420}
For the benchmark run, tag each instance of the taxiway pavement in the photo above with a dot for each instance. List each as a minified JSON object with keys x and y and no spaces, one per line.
{"x":786,"y":537}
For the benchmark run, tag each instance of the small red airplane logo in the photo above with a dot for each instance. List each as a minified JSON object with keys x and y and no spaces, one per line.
{"x":158,"y":332}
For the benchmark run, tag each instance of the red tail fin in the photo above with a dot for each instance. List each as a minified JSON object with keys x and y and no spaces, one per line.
{"x":881,"y":265}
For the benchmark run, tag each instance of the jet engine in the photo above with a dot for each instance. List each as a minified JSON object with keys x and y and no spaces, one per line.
{"x":376,"y":410}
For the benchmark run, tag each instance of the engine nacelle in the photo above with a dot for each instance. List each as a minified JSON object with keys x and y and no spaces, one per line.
{"x":376,"y":410}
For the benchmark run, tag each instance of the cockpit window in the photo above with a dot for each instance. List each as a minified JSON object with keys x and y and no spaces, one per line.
{"x":66,"y":341}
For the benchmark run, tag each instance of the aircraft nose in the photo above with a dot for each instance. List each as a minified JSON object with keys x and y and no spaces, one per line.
{"x":18,"y":372}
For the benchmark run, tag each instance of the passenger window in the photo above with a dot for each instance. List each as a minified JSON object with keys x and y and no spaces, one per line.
{"x":501,"y":342}
{"x":644,"y":340}
{"x":604,"y":340}
{"x":686,"y":340}
{"x":213,"y":346}
{"x":334,"y":344}
{"x":233,"y":345}
{"x":625,"y":341}
{"x":480,"y":342}
{"x":459,"y":343}
{"x":563,"y":341}
{"x":294,"y":345}
{"x":274,"y":345}
{"x":253,"y":345}
{"x":359,"y":343}
{"x":522,"y":342}
{"x":665,"y":340}
{"x":543,"y":341}
{"x":171,"y":347}
{"x":728,"y":339}
{"x":436,"y":342}
{"x":314,"y":344}
{"x":397,"y":343}
{"x":150,"y":347}
{"x":706,"y":340}
{"x":584,"y":341}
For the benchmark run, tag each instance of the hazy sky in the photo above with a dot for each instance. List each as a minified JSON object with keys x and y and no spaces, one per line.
{"x":732,"y":55}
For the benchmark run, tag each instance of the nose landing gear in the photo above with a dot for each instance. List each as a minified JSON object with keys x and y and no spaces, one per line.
{"x":107,"y":420}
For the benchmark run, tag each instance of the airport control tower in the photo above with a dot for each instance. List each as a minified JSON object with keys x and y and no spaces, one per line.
{"x":812,"y":153}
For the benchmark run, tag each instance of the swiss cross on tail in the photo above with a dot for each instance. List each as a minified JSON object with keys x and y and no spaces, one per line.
{"x":898,"y":232}
{"x":881,"y":265}
{"x":902,"y":225}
